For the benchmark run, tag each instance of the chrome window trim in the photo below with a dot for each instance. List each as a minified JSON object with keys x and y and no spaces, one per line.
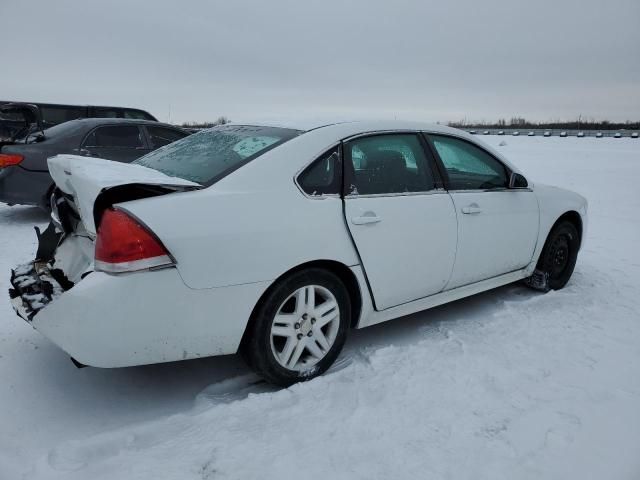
{"x":488,"y":190}
{"x":434,"y":191}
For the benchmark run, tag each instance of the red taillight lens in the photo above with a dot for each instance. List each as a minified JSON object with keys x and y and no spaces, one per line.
{"x":9,"y":159}
{"x":124,"y":245}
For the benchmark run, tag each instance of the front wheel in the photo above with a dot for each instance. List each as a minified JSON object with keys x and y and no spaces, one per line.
{"x":299,"y":329}
{"x":559,"y":255}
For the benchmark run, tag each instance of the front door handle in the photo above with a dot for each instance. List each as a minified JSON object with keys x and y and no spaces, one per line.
{"x":366,"y":218}
{"x":472,"y":209}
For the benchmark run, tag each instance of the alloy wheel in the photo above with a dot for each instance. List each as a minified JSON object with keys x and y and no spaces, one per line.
{"x":305,"y":327}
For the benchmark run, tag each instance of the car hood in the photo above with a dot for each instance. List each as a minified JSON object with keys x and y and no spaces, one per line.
{"x":87,"y":178}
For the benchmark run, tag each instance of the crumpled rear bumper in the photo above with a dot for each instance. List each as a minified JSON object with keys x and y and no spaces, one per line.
{"x":33,"y":287}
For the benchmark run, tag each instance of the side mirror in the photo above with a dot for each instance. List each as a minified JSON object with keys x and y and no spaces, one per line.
{"x":517,"y":181}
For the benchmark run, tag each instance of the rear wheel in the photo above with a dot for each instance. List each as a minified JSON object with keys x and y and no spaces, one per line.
{"x":299,"y":329}
{"x":559,"y":255}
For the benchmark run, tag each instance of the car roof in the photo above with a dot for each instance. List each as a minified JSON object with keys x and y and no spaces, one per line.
{"x":351,"y":127}
{"x":95,"y":121}
{"x":326,"y":134}
{"x":82,"y":126}
{"x":72,"y":105}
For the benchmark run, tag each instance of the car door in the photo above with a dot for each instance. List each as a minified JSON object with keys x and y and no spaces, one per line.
{"x":497,"y":226}
{"x":122,"y":143}
{"x":402,"y":221}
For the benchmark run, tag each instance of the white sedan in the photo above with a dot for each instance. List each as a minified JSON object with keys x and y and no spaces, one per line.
{"x":276,"y":241}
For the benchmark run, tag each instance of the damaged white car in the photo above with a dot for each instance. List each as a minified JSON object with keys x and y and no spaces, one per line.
{"x":276,"y":241}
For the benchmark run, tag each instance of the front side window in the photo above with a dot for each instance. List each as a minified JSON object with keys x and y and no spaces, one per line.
{"x":323,"y":176}
{"x":384,"y":164}
{"x":161,"y":136}
{"x":469,"y":167}
{"x":207,"y":156}
{"x":115,"y":136}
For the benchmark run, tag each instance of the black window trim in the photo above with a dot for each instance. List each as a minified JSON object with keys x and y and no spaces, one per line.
{"x":319,"y":158}
{"x":145,"y":141}
{"x":445,"y":176}
{"x":430,"y":158}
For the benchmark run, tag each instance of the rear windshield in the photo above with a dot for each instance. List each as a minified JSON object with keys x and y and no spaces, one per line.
{"x":210,"y":155}
{"x":35,"y":134}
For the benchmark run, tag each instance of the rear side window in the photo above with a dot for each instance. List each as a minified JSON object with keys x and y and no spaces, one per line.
{"x":115,"y":136}
{"x":323,"y":176}
{"x":161,"y":136}
{"x":387,"y":164}
{"x":469,"y":167}
{"x":207,"y":156}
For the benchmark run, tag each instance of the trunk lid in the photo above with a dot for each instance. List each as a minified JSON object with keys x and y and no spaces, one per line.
{"x":86,"y":179}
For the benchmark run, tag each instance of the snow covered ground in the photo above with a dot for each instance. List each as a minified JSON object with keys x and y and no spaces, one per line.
{"x":510,"y":384}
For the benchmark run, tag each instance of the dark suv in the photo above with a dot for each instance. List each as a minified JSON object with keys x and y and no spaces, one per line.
{"x":15,"y":117}
{"x":24,"y":173}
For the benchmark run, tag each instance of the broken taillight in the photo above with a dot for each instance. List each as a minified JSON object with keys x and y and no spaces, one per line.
{"x":9,"y":159}
{"x":124,"y":244}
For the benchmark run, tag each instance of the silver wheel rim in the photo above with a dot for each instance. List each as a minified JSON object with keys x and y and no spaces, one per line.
{"x":305,"y":327}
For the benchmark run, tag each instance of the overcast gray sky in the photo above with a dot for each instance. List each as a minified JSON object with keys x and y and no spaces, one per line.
{"x":263,"y":59}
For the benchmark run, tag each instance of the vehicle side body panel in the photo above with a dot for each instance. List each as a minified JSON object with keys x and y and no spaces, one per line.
{"x":23,"y":187}
{"x":245,"y":236}
{"x":499,"y":239}
{"x":410,"y":252}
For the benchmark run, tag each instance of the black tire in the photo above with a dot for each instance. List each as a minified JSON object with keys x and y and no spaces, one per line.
{"x":256,"y":347}
{"x":559,"y":255}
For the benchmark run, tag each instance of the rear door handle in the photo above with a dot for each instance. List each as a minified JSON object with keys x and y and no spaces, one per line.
{"x":472,"y":209}
{"x":366,"y":218}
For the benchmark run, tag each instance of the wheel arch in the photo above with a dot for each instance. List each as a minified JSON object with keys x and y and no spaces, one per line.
{"x":342,"y":271}
{"x":573,"y":217}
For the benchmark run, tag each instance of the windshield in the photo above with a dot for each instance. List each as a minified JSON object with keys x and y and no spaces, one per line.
{"x":209,"y":155}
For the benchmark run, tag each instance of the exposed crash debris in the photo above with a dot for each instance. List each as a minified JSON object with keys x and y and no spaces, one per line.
{"x":34,"y":287}
{"x":48,"y":241}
